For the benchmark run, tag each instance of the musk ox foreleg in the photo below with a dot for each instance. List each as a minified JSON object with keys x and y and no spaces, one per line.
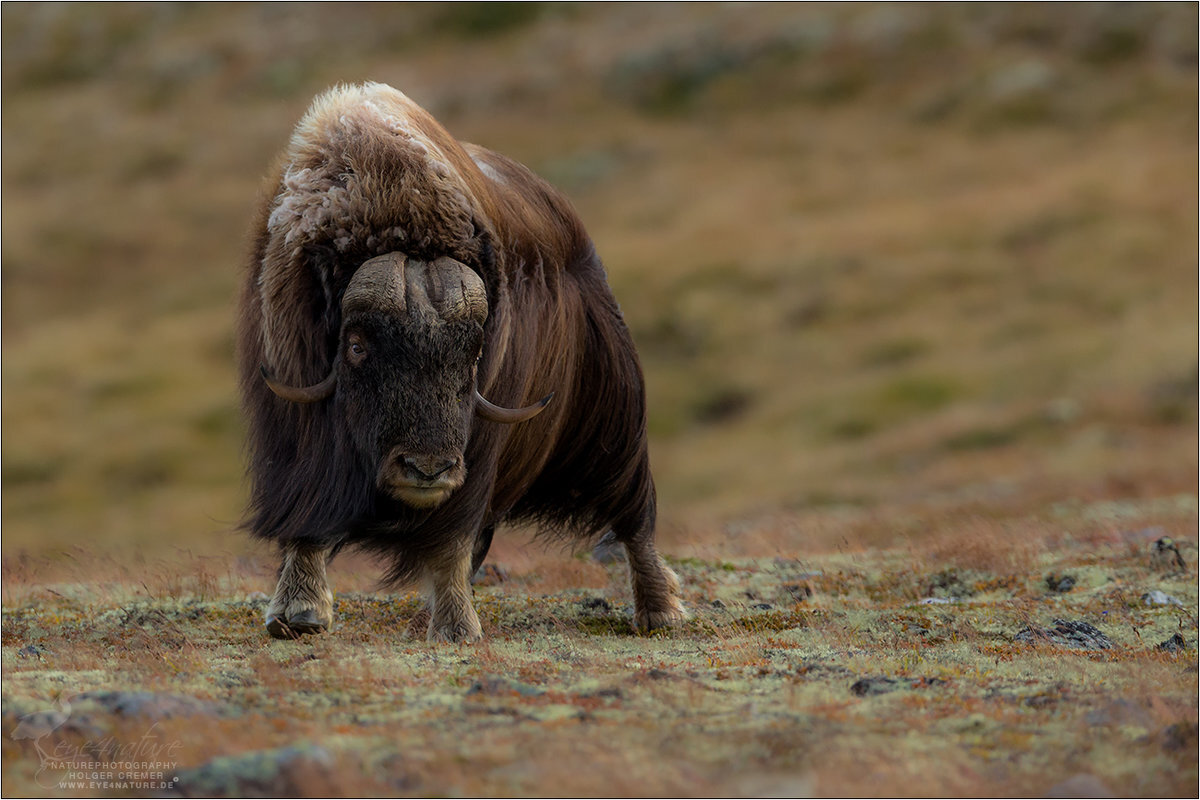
{"x":452,"y":617}
{"x":303,"y":601}
{"x":419,"y":625}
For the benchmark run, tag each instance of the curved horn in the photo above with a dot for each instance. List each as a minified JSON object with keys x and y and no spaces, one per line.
{"x":302,"y":394}
{"x":379,"y":283}
{"x":455,"y":290}
{"x":507,"y":416}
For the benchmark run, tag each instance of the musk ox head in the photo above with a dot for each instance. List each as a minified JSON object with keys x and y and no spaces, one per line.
{"x":404,"y":377}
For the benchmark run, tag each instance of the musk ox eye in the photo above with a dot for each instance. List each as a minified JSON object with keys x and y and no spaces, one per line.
{"x":356,"y":350}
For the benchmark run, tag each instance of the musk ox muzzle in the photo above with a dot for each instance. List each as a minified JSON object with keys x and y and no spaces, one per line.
{"x":420,"y":481}
{"x":410,"y":339}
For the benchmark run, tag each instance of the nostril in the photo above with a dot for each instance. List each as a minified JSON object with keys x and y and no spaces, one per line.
{"x":445,"y":466}
{"x":428,"y":468}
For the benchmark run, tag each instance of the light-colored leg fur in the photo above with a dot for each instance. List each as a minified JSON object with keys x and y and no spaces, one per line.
{"x":656,"y":600}
{"x":452,"y":617}
{"x":303,"y":601}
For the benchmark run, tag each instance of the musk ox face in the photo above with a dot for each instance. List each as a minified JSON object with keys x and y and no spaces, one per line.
{"x":405,"y":372}
{"x":405,"y":387}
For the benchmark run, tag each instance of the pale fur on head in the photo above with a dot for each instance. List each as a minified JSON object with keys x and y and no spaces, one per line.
{"x":367,"y":172}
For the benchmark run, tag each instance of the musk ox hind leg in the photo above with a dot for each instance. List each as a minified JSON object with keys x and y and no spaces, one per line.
{"x":656,"y":600}
{"x":303,"y":601}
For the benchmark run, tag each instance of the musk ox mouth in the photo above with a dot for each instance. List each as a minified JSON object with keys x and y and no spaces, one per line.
{"x":419,"y":496}
{"x":420,"y":481}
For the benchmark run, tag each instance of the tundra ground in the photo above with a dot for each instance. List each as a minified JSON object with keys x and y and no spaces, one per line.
{"x":1003,"y":657}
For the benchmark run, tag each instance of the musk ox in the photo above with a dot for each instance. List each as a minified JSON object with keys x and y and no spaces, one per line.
{"x":398,"y":277}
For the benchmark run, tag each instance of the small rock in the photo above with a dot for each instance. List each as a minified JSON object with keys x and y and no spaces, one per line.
{"x":938,"y":601}
{"x":596,"y":604}
{"x":1063,"y":411}
{"x":779,"y":785}
{"x":1060,"y":583}
{"x":30,"y":651}
{"x":1175,"y":644}
{"x":1166,"y":556}
{"x":1157,"y":598}
{"x":798,"y":591}
{"x":717,"y":604}
{"x":146,"y":704}
{"x":762,"y":606}
{"x":869,"y":686}
{"x":1043,"y":700}
{"x":283,"y":772}
{"x":1068,"y":633}
{"x":1118,"y":713}
{"x":1082,"y":785}
{"x":496,"y":685}
{"x":658,"y":674}
{"x":1180,"y":736}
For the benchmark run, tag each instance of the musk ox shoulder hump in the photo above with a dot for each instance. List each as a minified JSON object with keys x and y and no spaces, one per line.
{"x":368,"y":169}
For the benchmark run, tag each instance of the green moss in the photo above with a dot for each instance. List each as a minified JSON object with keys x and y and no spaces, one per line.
{"x":774,"y":620}
{"x":853,"y":428}
{"x":605,"y":626}
{"x":984,"y":438}
{"x":895,"y":352}
{"x":480,"y":20}
{"x":25,"y":471}
{"x":917,"y":394}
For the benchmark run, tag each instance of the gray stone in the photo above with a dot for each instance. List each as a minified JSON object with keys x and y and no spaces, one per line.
{"x":879,"y":685}
{"x":1060,"y":583}
{"x":1028,"y":77}
{"x":31,"y":651}
{"x":1166,"y":557}
{"x":1081,"y":785}
{"x":150,"y":705}
{"x":1157,"y":598}
{"x":1176,"y":644}
{"x":496,"y":685}
{"x":264,"y":773}
{"x":1067,"y":633}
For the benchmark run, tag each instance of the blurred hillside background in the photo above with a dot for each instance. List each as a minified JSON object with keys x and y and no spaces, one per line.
{"x":882,"y":262}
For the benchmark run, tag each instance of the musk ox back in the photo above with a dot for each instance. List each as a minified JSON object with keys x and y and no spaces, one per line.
{"x":427,"y":347}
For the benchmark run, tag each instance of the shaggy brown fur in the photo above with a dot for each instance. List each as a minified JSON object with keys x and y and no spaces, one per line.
{"x":369,"y":173}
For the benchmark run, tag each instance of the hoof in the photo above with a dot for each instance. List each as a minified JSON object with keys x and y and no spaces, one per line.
{"x":647,"y":620}
{"x":279,"y":629}
{"x":457,"y":634}
{"x":305,"y":622}
{"x":463,"y":630}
